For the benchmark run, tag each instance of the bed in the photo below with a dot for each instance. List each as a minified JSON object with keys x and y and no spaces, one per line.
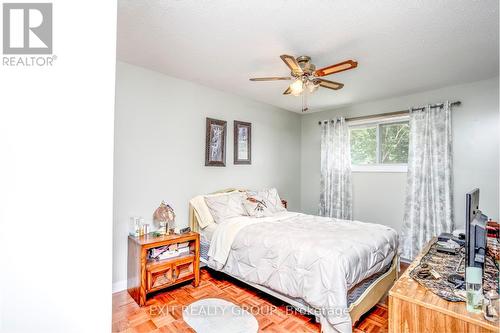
{"x":334,"y":271}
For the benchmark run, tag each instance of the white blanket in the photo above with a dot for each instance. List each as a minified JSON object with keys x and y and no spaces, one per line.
{"x":224,"y":235}
{"x":312,"y":258}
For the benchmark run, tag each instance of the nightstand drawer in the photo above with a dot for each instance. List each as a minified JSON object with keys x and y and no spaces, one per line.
{"x":184,"y":268}
{"x":160,"y":277}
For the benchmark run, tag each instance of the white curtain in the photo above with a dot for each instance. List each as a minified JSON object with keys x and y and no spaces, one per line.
{"x":336,"y":189}
{"x":429,"y":198}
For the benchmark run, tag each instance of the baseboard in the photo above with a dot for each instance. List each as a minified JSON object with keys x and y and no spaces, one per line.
{"x":119,"y":286}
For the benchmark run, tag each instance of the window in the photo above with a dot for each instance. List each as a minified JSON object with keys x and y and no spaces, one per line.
{"x":380,"y":146}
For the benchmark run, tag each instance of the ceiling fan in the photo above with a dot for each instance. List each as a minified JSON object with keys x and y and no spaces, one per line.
{"x":306,"y":78}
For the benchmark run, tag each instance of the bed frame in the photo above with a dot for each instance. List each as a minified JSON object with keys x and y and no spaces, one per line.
{"x":370,"y":297}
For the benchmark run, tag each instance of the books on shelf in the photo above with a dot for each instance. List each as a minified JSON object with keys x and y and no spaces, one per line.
{"x":183,"y":250}
{"x":169,"y":251}
{"x":183,"y":245}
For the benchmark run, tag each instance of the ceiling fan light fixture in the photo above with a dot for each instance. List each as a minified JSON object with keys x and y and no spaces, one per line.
{"x":297,"y":87}
{"x":312,"y":86}
{"x":306,"y":78}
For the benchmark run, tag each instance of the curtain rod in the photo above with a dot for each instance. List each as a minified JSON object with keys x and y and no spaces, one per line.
{"x":396,"y":113}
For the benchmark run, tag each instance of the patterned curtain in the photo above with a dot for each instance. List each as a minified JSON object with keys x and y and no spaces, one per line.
{"x":336,"y":189}
{"x":429,"y":198}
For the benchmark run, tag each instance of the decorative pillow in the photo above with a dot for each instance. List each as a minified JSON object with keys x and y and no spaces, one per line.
{"x":263,"y":203}
{"x":225,"y":206}
{"x":256,"y":206}
{"x":271,"y":199}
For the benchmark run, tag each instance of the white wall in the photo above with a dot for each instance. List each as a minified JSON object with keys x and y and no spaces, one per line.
{"x":160,"y":140}
{"x":160,"y":149}
{"x":56,"y":148}
{"x":379,"y":197}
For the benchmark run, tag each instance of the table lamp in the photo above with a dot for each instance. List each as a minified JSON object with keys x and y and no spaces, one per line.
{"x":165,"y":216}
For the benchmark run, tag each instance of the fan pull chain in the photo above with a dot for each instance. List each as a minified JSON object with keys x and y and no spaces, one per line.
{"x":304,"y":100}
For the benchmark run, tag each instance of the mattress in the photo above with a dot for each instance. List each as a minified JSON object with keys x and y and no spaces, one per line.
{"x":204,"y":246}
{"x":352,"y":295}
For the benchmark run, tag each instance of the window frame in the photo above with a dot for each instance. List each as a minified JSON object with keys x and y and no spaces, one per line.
{"x":376,"y":122}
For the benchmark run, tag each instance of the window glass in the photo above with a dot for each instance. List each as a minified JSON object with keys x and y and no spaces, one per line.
{"x":364,"y":145}
{"x":380,"y":143}
{"x":394,"y":140}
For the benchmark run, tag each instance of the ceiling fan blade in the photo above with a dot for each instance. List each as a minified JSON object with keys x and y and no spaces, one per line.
{"x":341,"y":66}
{"x":272,"y":78}
{"x":292,"y":64}
{"x":329,"y":84}
{"x":288,"y":91}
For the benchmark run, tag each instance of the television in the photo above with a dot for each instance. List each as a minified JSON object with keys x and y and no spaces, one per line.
{"x":475,"y":231}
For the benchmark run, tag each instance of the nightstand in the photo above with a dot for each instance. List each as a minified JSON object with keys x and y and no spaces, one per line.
{"x":145,"y":276}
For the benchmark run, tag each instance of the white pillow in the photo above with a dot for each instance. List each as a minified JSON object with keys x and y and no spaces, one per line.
{"x":225,"y":206}
{"x":201,"y":211}
{"x":203,"y":214}
{"x":256,"y":206}
{"x":271,"y":199}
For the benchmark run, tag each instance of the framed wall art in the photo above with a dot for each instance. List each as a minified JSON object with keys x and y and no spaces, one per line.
{"x":242,"y":142}
{"x":215,"y":143}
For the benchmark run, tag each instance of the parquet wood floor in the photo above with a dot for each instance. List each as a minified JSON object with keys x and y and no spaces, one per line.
{"x":163,"y":311}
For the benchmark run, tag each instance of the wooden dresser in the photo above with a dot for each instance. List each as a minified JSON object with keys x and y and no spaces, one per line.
{"x":414,"y":309}
{"x":146,"y":276}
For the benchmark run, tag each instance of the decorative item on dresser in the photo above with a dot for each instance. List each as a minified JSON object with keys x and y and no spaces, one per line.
{"x":414,"y":308}
{"x":242,"y":142}
{"x":215,"y":143}
{"x":146,"y":275}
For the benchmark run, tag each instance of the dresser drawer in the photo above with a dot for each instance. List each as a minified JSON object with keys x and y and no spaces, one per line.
{"x":159,"y":277}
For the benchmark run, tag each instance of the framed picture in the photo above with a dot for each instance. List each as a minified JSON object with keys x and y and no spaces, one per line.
{"x":215,"y":144}
{"x":242,"y":142}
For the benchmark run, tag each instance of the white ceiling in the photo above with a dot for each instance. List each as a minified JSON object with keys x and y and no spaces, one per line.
{"x":401,"y":46}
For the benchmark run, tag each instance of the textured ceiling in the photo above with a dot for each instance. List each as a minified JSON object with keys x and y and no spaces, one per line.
{"x":401,"y":46}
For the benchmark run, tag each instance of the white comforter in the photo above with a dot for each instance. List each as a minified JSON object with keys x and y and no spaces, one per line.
{"x":313,"y":258}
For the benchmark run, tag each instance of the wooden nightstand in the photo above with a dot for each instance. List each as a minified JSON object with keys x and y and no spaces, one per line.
{"x":146,"y":276}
